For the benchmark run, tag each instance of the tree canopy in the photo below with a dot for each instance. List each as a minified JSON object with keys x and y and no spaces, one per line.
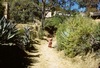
{"x":1,"y":10}
{"x":23,"y":10}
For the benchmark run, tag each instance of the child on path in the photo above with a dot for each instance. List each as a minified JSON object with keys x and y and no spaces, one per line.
{"x":50,"y":42}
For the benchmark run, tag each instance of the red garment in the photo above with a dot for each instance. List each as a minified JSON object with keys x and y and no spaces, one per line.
{"x":50,"y":43}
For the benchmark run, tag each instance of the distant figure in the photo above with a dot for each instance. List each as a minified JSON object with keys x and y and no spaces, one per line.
{"x":50,"y":42}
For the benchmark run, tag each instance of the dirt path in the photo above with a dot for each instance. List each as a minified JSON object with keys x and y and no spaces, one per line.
{"x":49,"y":57}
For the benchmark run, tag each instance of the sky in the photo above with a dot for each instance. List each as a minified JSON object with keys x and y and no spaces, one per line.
{"x":75,"y":6}
{"x":98,"y":6}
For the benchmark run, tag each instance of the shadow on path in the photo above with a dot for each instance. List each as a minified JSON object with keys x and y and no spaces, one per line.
{"x":14,"y":57}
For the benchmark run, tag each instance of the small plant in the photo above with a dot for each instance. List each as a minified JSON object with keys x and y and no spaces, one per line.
{"x":26,"y":38}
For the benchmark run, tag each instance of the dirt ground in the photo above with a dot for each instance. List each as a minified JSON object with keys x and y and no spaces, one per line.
{"x":51,"y":58}
{"x":97,"y":20}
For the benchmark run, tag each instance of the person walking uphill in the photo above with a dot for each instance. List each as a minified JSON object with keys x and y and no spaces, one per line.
{"x":50,"y":42}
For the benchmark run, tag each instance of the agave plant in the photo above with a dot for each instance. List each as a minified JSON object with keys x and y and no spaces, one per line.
{"x":9,"y":35}
{"x":27,"y":41}
{"x":8,"y":54}
{"x":8,"y":32}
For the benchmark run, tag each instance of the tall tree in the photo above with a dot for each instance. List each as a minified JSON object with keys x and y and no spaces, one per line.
{"x":43,"y":13}
{"x":50,"y":6}
{"x":23,"y":10}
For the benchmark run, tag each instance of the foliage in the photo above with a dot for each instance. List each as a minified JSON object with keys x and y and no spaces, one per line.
{"x":1,"y":10}
{"x":97,"y":32}
{"x":51,"y":24}
{"x":23,"y":11}
{"x":26,"y":38}
{"x":96,"y":38}
{"x":9,"y":35}
{"x":11,"y":46}
{"x":8,"y":32}
{"x":75,"y":36}
{"x":54,"y":21}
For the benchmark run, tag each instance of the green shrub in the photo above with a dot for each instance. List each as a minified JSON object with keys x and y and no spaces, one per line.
{"x":23,"y":11}
{"x":9,"y":35}
{"x":96,"y":38}
{"x":51,"y":24}
{"x":97,"y":32}
{"x":54,"y":21}
{"x":75,"y":35}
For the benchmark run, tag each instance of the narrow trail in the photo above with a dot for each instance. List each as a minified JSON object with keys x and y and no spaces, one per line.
{"x":49,"y":58}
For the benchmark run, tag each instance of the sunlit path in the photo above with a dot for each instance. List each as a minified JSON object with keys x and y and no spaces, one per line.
{"x":49,"y":57}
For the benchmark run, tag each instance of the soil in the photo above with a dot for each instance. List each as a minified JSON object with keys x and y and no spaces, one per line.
{"x":49,"y":57}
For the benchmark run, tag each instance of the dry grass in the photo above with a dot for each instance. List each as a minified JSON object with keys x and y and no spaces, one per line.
{"x":88,"y":61}
{"x":85,"y":62}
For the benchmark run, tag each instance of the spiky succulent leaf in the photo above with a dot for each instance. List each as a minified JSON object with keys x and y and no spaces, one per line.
{"x":7,"y":31}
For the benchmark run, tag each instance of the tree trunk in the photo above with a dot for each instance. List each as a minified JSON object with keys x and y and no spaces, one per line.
{"x":42,"y":20}
{"x":43,"y":14}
